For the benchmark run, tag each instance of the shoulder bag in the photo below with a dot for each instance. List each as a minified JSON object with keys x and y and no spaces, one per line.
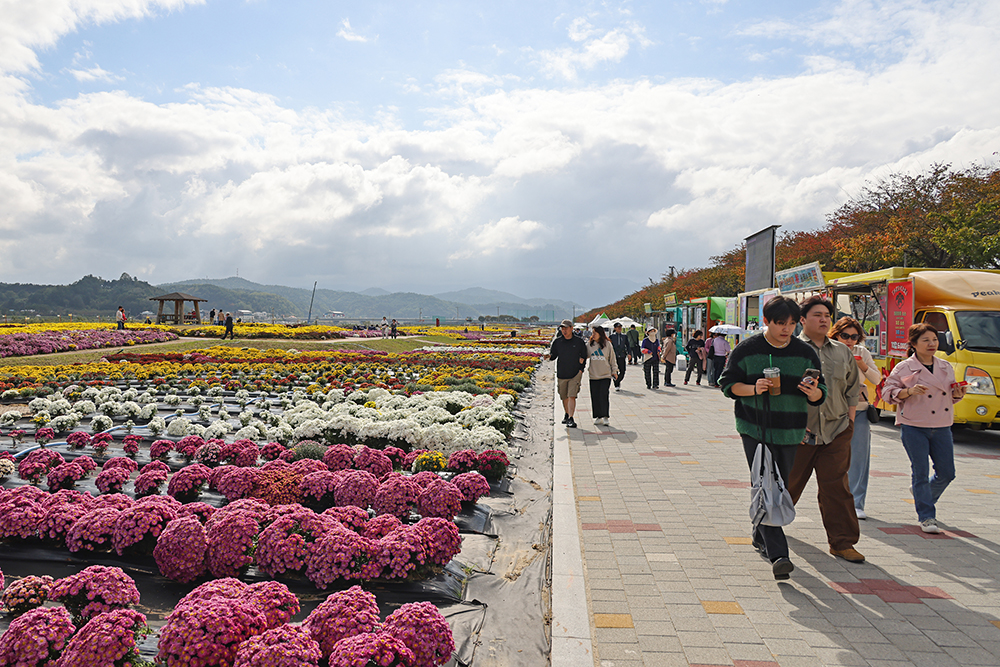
{"x":770,"y":502}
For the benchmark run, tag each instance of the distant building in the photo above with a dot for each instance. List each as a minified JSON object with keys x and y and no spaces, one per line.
{"x":334,"y":315}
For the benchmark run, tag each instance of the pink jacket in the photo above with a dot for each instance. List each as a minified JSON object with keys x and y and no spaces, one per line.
{"x":930,"y":410}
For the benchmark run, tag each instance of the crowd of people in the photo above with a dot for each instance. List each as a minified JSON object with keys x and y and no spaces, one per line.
{"x":799,"y":392}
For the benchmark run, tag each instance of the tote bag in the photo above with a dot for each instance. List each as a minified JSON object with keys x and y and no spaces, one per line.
{"x":770,"y":502}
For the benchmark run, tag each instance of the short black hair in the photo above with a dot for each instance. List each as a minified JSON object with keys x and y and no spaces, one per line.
{"x":781,"y":309}
{"x":697,"y":334}
{"x":814,"y":301}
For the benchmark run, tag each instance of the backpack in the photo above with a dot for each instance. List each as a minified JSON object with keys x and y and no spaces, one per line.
{"x":711,"y":350}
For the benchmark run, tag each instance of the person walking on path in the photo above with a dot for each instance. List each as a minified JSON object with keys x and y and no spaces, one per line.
{"x":120,"y":317}
{"x":633,"y":345}
{"x":669,"y":357}
{"x":696,"y":356}
{"x":620,"y":342}
{"x":651,"y":359}
{"x":721,"y":349}
{"x":850,"y":332}
{"x":211,"y":316}
{"x":924,"y":388}
{"x":603,"y":367}
{"x":827,"y":446}
{"x":570,"y":354}
{"x":229,"y":327}
{"x":778,"y":420}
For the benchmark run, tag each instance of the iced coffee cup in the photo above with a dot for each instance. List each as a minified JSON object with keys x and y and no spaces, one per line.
{"x":774,"y":375}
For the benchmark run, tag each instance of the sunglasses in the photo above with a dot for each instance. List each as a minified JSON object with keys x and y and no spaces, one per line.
{"x":847,"y":336}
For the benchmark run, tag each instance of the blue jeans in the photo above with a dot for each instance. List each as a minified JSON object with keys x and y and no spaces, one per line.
{"x":861,"y":452}
{"x":921,"y":443}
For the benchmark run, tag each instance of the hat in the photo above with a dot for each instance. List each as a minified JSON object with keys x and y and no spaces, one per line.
{"x":650,"y":329}
{"x":567,"y":323}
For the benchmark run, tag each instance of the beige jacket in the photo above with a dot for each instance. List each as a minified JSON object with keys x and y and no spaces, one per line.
{"x":602,"y":363}
{"x":840,"y":374}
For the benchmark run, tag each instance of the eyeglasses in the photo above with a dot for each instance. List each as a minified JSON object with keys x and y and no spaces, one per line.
{"x":847,"y":336}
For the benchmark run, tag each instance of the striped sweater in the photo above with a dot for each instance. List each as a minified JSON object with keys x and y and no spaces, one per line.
{"x":777,"y":420}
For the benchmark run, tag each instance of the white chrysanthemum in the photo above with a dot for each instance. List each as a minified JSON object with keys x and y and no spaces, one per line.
{"x":312,"y":429}
{"x":130,"y":409}
{"x":100,"y":423}
{"x":178,"y":427}
{"x":198,"y":430}
{"x":156,"y":425}
{"x":217,"y":429}
{"x":148,"y":412}
{"x":145,"y":398}
{"x":89,"y":394}
{"x":85,"y":407}
{"x":282,"y":433}
{"x":64,"y":423}
{"x":39,"y":404}
{"x":130,"y":394}
{"x":9,"y":418}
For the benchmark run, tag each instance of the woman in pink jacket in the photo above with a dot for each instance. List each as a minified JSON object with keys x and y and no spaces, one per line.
{"x":924,"y":389}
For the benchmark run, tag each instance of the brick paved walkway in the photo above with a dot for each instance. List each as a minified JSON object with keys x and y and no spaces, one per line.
{"x":670,"y":578}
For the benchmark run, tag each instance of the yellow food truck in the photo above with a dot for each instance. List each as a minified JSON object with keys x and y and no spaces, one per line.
{"x":963,"y":305}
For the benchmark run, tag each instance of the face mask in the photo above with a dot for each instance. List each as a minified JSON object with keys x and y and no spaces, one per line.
{"x":651,"y":336}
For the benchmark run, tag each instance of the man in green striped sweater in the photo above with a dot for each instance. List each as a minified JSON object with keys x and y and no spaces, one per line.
{"x":777,"y":421}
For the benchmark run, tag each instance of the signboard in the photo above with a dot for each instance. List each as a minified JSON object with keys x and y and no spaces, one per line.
{"x":731,"y":312}
{"x":760,"y":260}
{"x":800,"y":278}
{"x":898,"y":316}
{"x":648,"y":307}
{"x":670,"y":300}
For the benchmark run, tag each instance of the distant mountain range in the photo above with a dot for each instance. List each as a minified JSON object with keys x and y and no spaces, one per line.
{"x":92,"y":296}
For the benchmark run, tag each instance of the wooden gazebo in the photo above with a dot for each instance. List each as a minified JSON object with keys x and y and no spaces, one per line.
{"x":178,"y":315}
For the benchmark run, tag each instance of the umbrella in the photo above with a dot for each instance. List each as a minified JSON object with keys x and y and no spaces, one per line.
{"x":727,"y":330}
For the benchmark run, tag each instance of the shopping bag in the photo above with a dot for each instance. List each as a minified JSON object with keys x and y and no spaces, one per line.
{"x":770,"y":502}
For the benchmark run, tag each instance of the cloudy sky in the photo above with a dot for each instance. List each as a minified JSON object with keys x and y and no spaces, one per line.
{"x":562,"y":149}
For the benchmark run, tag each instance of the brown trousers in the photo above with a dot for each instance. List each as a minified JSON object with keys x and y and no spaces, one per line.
{"x":836,"y":504}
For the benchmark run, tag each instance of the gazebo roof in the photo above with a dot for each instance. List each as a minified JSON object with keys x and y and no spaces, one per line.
{"x":176,"y":296}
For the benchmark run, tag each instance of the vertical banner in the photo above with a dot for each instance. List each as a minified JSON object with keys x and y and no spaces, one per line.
{"x":899,"y":316}
{"x":759,"y":273}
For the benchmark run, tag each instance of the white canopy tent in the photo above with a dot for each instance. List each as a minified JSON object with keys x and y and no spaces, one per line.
{"x":601,"y":320}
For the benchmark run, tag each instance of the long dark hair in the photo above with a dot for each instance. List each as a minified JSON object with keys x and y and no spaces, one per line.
{"x":602,"y":338}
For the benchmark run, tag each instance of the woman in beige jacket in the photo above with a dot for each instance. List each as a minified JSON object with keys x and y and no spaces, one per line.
{"x":848,"y":331}
{"x":602,"y":367}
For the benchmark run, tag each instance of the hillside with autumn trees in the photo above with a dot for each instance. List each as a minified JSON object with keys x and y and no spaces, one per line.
{"x":943,"y":218}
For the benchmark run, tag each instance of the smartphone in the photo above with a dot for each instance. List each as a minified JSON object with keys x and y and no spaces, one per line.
{"x":811,"y":376}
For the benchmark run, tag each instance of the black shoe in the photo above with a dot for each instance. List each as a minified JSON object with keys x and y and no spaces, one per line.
{"x":782,"y":568}
{"x":571,"y":423}
{"x":761,"y":549}
{"x":565,"y":418}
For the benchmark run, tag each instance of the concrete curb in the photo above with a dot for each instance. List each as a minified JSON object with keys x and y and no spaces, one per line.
{"x":571,"y":636}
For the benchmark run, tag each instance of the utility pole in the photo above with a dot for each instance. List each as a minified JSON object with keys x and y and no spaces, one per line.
{"x":309,"y":316}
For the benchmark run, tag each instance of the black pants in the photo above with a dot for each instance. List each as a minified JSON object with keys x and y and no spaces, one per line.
{"x":600,"y":403}
{"x":668,"y":368}
{"x":718,"y":364}
{"x":229,"y":332}
{"x":651,"y":366}
{"x":694,"y":362}
{"x":621,"y":370}
{"x":636,"y":355}
{"x":773,"y":537}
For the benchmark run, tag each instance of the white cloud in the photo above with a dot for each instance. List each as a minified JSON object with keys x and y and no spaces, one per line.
{"x":95,"y":73}
{"x":348,"y":33}
{"x":510,"y":233}
{"x":28,"y":26}
{"x":679,"y":169}
{"x":611,"y":47}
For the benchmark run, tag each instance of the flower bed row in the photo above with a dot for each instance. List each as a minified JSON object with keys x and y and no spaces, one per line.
{"x":222,"y":623}
{"x":24,"y":344}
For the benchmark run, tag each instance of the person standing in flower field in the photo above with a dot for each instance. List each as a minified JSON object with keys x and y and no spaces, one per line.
{"x":620,"y":342}
{"x":827,"y":446}
{"x":229,"y":327}
{"x":570,"y":354}
{"x":775,"y":411}
{"x":120,"y":317}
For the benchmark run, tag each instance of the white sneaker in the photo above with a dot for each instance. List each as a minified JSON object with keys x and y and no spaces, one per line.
{"x":930,"y":526}
{"x":597,"y":420}
{"x":618,"y":388}
{"x":861,"y":513}
{"x":606,"y":422}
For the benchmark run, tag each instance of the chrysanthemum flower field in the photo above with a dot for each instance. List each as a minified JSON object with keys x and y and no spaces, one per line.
{"x":252,"y":503}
